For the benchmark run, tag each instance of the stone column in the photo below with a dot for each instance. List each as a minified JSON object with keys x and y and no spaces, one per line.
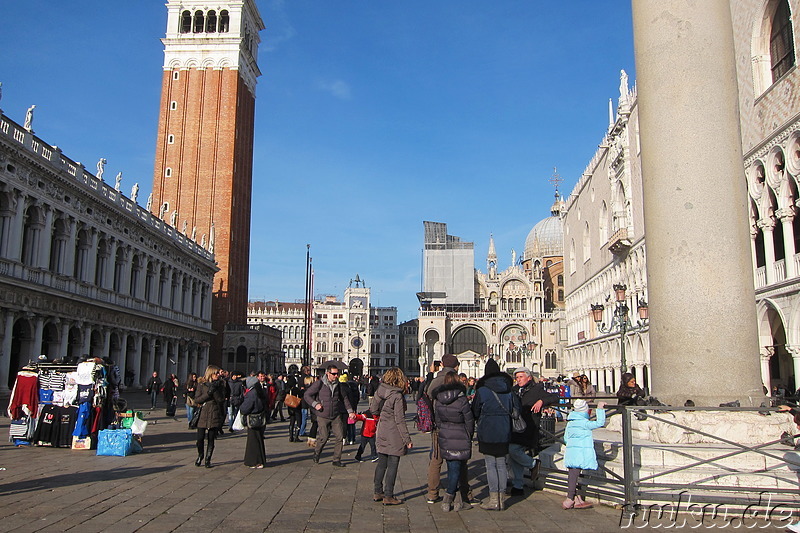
{"x":87,"y":340}
{"x":5,"y":355}
{"x":106,"y":342}
{"x":63,"y":345}
{"x":768,"y":229}
{"x":795,"y":353}
{"x":38,"y":331}
{"x":122,"y":360}
{"x":91,"y":258}
{"x":46,"y":238}
{"x":698,"y":257}
{"x":111,"y":263}
{"x":786,"y":217}
{"x":15,"y":232}
{"x":135,"y":360}
{"x":163,"y":356}
{"x":69,"y":253}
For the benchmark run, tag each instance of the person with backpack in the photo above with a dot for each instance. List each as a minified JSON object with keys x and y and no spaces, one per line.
{"x":280,"y":396}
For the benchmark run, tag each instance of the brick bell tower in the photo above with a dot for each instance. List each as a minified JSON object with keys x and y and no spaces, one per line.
{"x":204,"y":154}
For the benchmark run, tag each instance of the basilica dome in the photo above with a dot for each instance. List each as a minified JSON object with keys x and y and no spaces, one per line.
{"x":546,"y":239}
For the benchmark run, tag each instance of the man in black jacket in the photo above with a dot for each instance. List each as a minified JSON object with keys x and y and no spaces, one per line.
{"x":524,"y":446}
{"x":153,"y":388}
{"x":328,"y":397}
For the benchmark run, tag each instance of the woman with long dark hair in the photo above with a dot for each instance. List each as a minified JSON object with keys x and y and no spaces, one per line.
{"x":210,"y":398}
{"x":189,"y":388}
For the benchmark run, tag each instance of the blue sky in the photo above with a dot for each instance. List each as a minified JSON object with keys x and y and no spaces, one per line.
{"x":370,"y":118}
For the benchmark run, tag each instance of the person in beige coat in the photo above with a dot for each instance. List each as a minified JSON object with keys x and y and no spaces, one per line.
{"x":392,"y":439}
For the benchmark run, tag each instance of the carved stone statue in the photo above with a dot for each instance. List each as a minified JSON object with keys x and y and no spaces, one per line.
{"x":118,"y":181}
{"x":162,"y":210}
{"x":623,"y":86}
{"x":173,"y":221}
{"x":29,"y":118}
{"x":513,"y":257}
{"x":149,"y":201}
{"x":194,"y":233}
{"x":135,"y":191}
{"x":211,"y":239}
{"x":183,"y":228}
{"x":203,"y":240}
{"x":101,"y":167}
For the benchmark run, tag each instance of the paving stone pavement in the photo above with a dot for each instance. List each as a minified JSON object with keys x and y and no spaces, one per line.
{"x":159,"y":490}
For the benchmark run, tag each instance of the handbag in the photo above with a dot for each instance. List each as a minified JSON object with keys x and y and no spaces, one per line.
{"x":195,"y":417}
{"x":518,"y":424}
{"x":292,"y":401}
{"x":255,"y":420}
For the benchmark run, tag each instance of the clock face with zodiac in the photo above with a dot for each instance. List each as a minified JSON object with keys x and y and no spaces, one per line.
{"x":357,"y":342}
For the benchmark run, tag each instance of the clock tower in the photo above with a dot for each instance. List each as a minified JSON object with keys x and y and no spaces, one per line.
{"x":204,"y":153}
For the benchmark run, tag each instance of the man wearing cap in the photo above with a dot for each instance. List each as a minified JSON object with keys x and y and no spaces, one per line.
{"x":449,"y":364}
{"x":533,"y":398}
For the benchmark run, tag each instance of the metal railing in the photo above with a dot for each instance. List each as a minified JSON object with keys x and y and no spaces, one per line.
{"x":633,"y":487}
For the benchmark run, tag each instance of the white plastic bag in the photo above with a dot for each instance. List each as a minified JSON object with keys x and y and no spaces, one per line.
{"x":237,"y":424}
{"x":138,"y":426}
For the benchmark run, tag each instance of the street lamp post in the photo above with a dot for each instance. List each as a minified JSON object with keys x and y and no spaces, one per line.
{"x":620,"y":321}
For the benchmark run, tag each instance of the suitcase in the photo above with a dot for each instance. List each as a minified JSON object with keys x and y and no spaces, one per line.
{"x":171,"y":407}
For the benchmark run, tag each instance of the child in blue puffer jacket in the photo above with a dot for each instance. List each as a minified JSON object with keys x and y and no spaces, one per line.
{"x":580,"y":452}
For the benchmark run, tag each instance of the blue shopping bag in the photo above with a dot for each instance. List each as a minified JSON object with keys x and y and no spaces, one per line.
{"x":116,"y":442}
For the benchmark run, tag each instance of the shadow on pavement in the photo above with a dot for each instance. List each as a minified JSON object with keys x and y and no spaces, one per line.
{"x":66,"y":480}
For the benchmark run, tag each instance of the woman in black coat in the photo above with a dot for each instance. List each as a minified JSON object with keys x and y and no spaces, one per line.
{"x":255,"y":403}
{"x":456,"y":425}
{"x":492,"y":407}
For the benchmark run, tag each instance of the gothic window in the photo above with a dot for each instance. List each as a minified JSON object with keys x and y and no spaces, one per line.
{"x":224,"y":21}
{"x":561,"y":280}
{"x":560,"y":295}
{"x":186,"y":22}
{"x":211,"y":22}
{"x":587,"y":243}
{"x":781,"y":41}
{"x":199,"y":21}
{"x":602,"y":225}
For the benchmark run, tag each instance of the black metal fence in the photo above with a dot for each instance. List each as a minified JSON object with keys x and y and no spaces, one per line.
{"x":634,"y":487}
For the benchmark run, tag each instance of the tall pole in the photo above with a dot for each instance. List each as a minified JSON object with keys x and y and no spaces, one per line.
{"x":307,"y":308}
{"x":695,"y":205}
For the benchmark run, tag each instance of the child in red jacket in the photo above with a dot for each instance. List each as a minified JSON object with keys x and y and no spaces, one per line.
{"x":369,"y":423}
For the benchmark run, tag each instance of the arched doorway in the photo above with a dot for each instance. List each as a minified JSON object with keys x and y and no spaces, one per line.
{"x":431,"y":339}
{"x":469,"y":338}
{"x":356,"y":367}
{"x":74,"y":344}
{"x":21,"y":348}
{"x":781,"y":365}
{"x":96,"y":346}
{"x":50,"y":341}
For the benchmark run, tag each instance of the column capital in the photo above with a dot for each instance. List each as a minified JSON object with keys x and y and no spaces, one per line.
{"x":766,"y":224}
{"x":786,"y":214}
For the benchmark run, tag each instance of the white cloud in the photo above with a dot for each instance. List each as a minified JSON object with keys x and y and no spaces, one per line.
{"x":338,"y":88}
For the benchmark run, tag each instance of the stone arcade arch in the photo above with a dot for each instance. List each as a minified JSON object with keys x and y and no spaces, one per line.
{"x":469,"y":338}
{"x":772,"y":335}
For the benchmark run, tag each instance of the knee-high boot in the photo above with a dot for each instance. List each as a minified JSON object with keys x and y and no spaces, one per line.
{"x":209,"y":453}
{"x":199,"y":461}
